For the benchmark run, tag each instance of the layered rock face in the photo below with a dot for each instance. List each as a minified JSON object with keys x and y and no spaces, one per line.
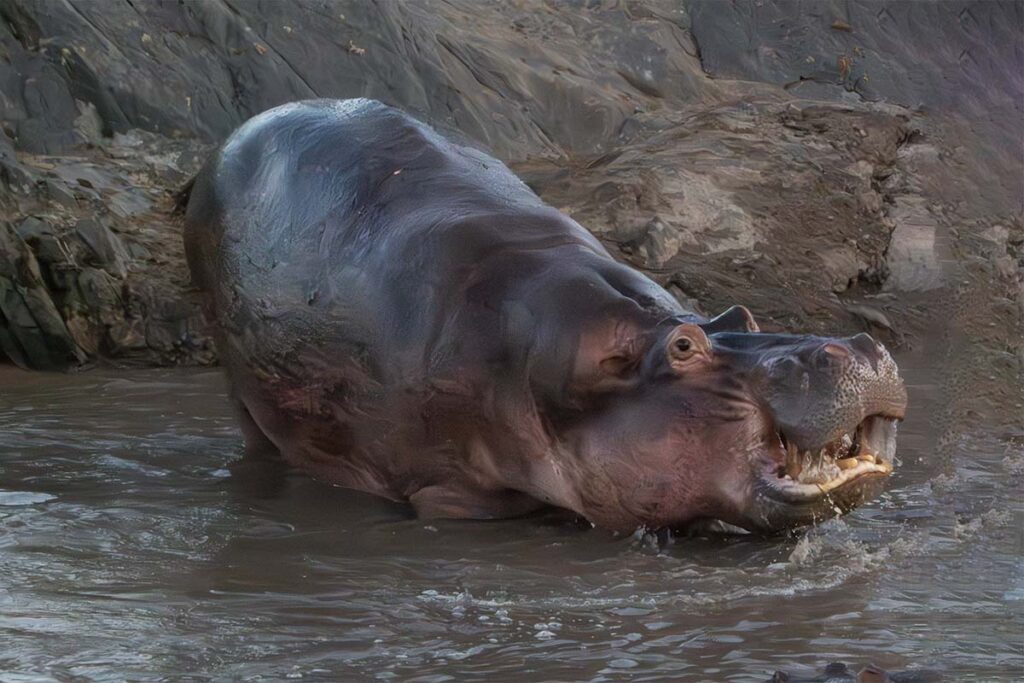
{"x":835,"y":166}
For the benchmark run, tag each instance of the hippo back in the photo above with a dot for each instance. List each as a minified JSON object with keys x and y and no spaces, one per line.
{"x":353,"y":223}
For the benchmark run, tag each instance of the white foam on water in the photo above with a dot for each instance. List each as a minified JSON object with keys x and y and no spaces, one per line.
{"x":19,"y":498}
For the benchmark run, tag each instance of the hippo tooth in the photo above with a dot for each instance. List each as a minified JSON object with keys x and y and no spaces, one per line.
{"x":819,"y":472}
{"x":793,"y":465}
{"x":847,"y":463}
{"x":866,"y":457}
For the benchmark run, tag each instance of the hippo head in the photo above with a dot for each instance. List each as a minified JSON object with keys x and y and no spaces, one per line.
{"x":704,"y":420}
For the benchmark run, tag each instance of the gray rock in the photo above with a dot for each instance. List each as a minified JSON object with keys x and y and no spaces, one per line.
{"x":12,"y":174}
{"x":88,"y":123}
{"x":659,"y":244}
{"x":915,"y":257}
{"x":104,"y":246}
{"x":59,"y":192}
{"x":87,"y":175}
{"x":33,"y":228}
{"x":129,"y":202}
{"x":91,"y":307}
{"x":139,"y":252}
{"x":165,"y":335}
{"x":32,"y":332}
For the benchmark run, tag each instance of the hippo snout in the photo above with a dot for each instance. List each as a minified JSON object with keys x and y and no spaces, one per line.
{"x":821,"y":388}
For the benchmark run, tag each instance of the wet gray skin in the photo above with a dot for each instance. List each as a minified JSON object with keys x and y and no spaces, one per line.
{"x":400,"y":314}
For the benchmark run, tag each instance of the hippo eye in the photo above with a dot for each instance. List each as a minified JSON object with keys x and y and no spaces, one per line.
{"x":685,"y":343}
{"x":682,"y":349}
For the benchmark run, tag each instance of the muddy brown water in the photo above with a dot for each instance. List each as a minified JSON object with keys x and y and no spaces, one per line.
{"x":134,"y":544}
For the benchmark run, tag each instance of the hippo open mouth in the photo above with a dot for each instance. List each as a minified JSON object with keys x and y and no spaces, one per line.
{"x":797,"y":475}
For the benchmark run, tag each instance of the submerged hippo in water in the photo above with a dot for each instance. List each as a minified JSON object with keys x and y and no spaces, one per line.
{"x":400,"y":314}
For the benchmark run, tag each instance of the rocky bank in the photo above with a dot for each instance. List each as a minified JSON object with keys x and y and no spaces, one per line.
{"x":836,"y":166}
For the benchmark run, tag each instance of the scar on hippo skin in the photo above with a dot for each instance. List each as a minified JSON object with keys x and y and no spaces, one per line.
{"x":475,"y":353}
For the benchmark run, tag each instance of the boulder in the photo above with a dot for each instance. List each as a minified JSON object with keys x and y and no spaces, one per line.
{"x":32,"y":331}
{"x":105,"y":248}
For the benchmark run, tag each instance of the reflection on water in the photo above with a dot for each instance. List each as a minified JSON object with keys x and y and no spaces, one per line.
{"x":135,"y":544}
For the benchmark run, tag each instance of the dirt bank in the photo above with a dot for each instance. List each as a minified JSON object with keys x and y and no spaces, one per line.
{"x":855,"y":167}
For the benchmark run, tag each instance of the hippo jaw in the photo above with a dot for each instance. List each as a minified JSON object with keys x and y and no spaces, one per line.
{"x":870,"y":449}
{"x":830,"y":448}
{"x":797,"y":487}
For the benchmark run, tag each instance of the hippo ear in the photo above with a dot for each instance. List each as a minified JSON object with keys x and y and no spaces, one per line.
{"x":734,"y":319}
{"x":607,"y":358}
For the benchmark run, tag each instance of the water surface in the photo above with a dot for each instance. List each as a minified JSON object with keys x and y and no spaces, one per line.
{"x":134,"y":543}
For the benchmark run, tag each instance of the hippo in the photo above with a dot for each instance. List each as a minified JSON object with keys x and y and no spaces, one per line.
{"x":398,"y":313}
{"x":837,"y":672}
